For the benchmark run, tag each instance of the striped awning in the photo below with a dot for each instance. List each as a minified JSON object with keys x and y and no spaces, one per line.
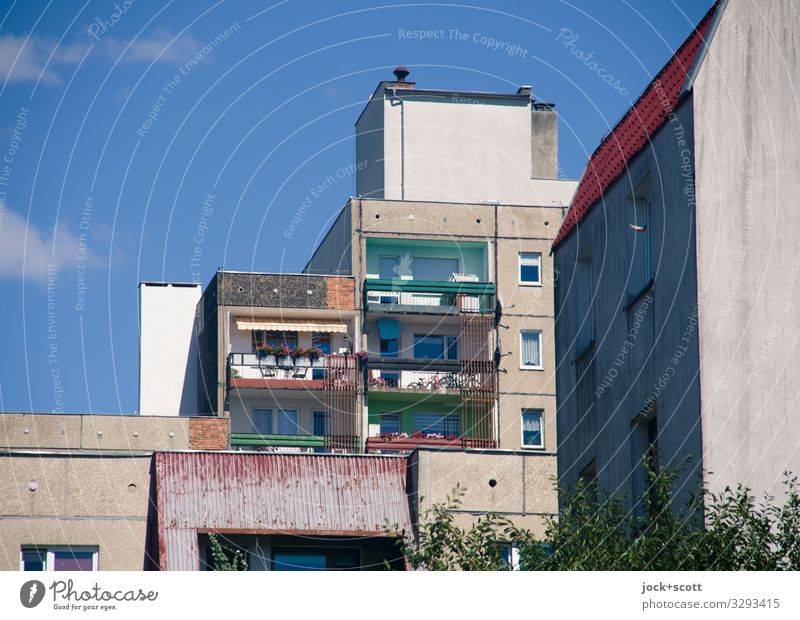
{"x":279,"y":325}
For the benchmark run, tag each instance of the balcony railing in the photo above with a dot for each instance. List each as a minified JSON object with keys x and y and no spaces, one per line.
{"x":277,"y":443}
{"x":428,"y":296}
{"x":251,"y":369}
{"x":423,"y":376}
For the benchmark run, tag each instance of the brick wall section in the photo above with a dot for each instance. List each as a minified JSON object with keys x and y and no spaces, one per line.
{"x":340,"y":293}
{"x":208,"y":433}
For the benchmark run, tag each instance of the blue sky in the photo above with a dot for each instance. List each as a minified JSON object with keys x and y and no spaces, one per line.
{"x":111,"y":167}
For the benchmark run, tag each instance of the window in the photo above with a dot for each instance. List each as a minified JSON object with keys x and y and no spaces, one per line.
{"x":262,"y":421}
{"x":452,"y":347}
{"x":34,"y":559}
{"x":644,"y":447}
{"x":588,"y":480}
{"x":530,"y":350}
{"x":287,"y":422}
{"x":297,"y":559}
{"x":321,"y":420}
{"x":390,"y":423}
{"x":389,"y":332}
{"x":439,"y":269}
{"x":428,"y":347}
{"x":263,"y":338}
{"x":322,"y":341}
{"x":584,"y":315}
{"x":640,"y":238}
{"x":447,"y":425}
{"x":389,"y":347}
{"x":389,"y":267}
{"x":532,"y":432}
{"x":530,"y":268}
{"x":58,"y":559}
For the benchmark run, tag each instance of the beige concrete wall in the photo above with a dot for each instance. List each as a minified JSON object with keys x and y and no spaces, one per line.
{"x":523,"y":491}
{"x":93,"y":432}
{"x":748,"y":254}
{"x":426,"y":219}
{"x":102,"y":502}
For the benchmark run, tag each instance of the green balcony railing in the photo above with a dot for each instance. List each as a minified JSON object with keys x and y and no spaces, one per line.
{"x":290,"y":441}
{"x":428,"y":296}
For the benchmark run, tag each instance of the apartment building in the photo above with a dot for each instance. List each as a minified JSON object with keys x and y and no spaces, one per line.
{"x":415,"y":352}
{"x":677,"y":296}
{"x":277,"y":357}
{"x":458,"y":202}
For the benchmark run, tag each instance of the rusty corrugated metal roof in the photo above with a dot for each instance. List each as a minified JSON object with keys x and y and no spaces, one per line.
{"x":273,"y":493}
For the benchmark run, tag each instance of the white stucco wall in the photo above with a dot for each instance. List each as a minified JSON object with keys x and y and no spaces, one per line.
{"x":748,"y":245}
{"x":167,"y":349}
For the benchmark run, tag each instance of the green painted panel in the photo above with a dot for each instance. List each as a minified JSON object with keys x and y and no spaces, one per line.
{"x":254,"y":439}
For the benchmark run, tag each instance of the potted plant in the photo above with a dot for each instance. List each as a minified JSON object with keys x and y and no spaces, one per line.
{"x":301,"y":357}
{"x":315,"y":355}
{"x":282,"y":354}
{"x":265,"y":355}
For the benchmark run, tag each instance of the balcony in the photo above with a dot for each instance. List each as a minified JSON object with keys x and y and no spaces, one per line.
{"x":428,"y":297}
{"x":403,"y":443}
{"x":408,"y":376}
{"x":250,"y":370}
{"x":277,"y":443}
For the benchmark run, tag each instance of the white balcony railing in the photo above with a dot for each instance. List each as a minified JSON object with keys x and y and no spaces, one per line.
{"x":253,"y":366}
{"x":421,"y":380}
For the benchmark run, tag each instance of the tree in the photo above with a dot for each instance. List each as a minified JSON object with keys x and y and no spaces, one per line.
{"x":226,"y":557}
{"x":726,"y":531}
{"x":441,"y":545}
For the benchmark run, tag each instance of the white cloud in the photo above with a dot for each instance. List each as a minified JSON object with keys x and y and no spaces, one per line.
{"x":28,"y":58}
{"x":23,"y":242}
{"x":154,"y":47}
{"x":25,"y":58}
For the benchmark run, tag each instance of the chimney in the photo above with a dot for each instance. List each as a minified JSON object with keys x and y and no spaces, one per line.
{"x":400,"y":75}
{"x":544,"y":140}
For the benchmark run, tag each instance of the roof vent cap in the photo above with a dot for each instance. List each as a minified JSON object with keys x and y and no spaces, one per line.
{"x":401,"y":73}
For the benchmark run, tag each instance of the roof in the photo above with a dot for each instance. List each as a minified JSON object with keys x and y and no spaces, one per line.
{"x":273,"y":493}
{"x":636,"y":127}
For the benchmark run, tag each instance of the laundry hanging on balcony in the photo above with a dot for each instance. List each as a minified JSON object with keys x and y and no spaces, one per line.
{"x":292,"y":326}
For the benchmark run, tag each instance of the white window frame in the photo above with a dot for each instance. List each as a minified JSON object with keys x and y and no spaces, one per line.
{"x":541,"y":347}
{"x":50,"y":551}
{"x":519,"y":269}
{"x":522,"y":428}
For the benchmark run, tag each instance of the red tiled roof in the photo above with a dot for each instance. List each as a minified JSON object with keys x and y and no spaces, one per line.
{"x":635,"y":129}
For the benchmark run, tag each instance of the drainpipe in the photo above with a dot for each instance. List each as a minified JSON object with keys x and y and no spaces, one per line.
{"x":402,"y":144}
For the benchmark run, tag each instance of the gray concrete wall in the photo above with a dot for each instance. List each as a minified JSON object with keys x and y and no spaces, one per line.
{"x":544,"y":143}
{"x":522,"y":489}
{"x":93,"y":432}
{"x":641,"y":353}
{"x":333,"y":255}
{"x":369,"y":150}
{"x":748,"y":233}
{"x":102,"y":502}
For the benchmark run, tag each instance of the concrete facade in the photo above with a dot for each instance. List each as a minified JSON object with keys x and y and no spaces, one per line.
{"x":167,"y":348}
{"x":700,"y":348}
{"x":72,"y":480}
{"x":454,"y":146}
{"x":471,"y":178}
